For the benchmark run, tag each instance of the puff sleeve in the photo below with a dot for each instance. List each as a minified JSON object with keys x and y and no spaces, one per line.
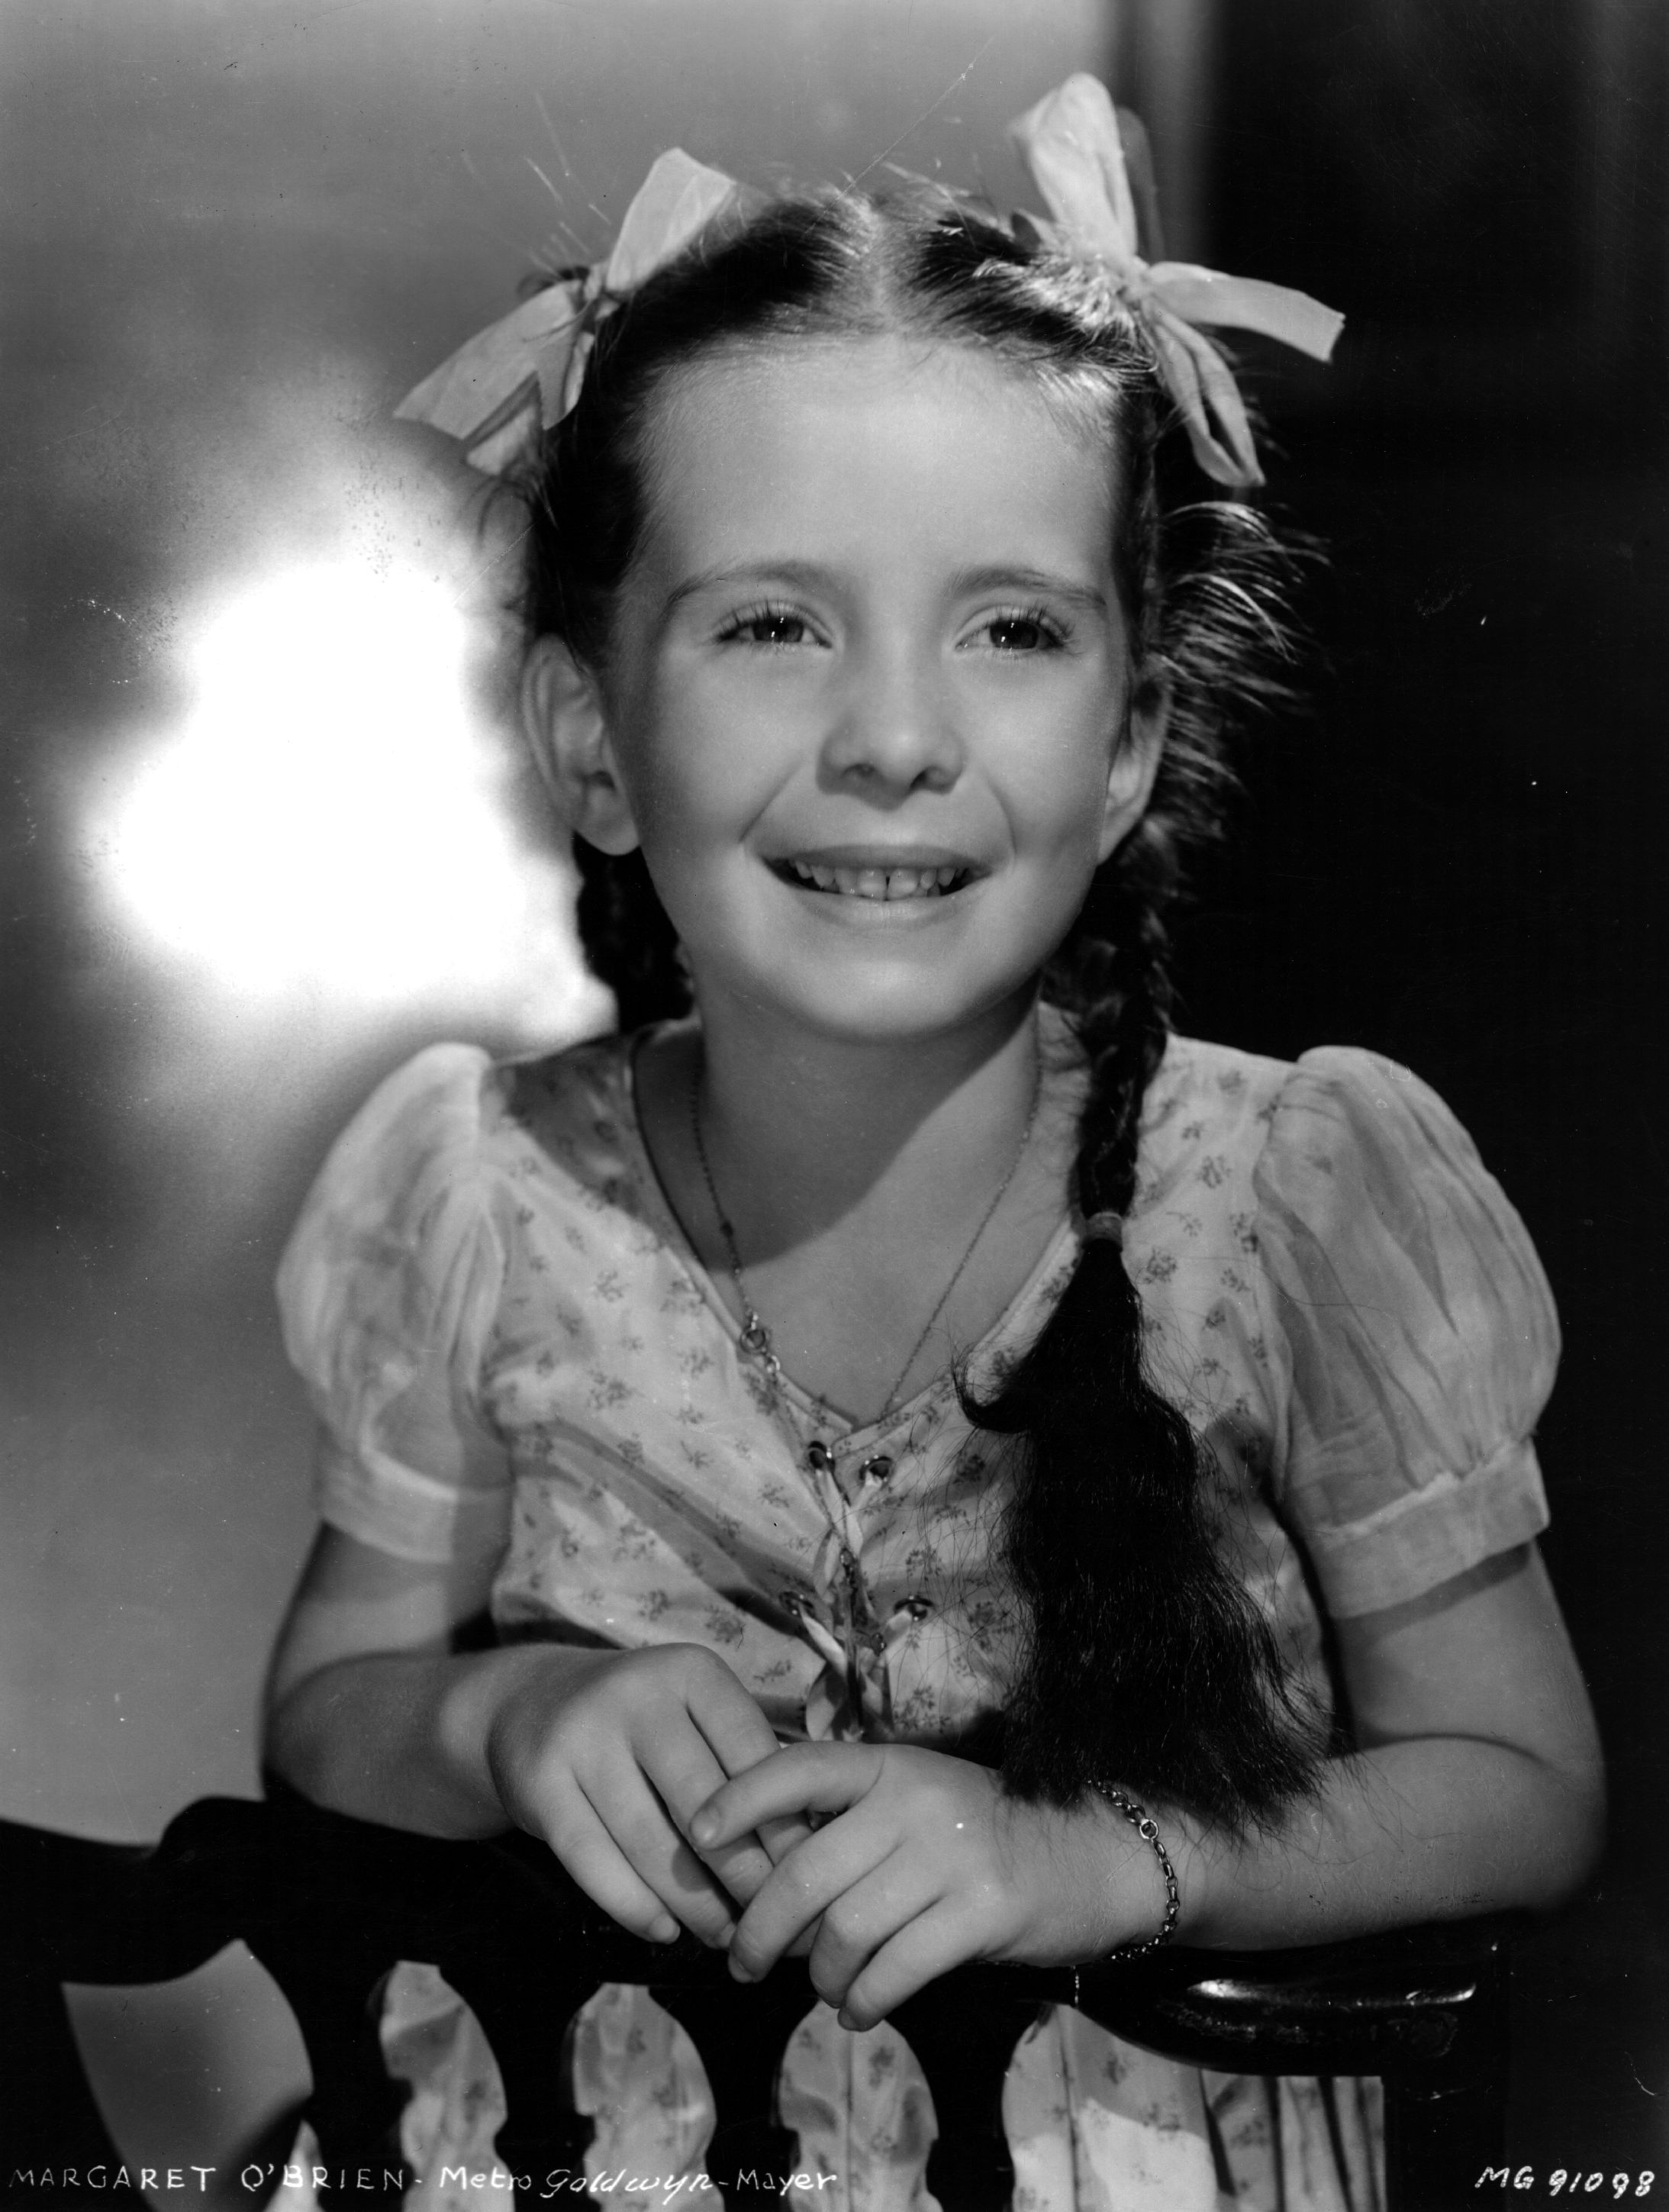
{"x":387,"y":1292}
{"x":1412,"y":1328}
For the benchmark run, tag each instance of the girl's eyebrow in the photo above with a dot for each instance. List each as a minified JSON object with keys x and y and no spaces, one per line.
{"x":804,"y":575}
{"x":797,"y":575}
{"x":998,"y":577}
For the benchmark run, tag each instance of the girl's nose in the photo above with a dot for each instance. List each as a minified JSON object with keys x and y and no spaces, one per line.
{"x":896,"y":729}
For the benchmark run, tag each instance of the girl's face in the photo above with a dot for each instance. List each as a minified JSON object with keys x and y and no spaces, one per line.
{"x":869,"y":705}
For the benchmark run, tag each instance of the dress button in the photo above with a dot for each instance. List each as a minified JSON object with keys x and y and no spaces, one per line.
{"x":876,"y":1469}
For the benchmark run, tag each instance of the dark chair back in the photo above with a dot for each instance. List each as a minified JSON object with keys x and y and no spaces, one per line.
{"x":329,"y":1905}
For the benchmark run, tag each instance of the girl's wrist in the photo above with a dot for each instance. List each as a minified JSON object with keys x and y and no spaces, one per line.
{"x":1128,"y":1875}
{"x":489,"y":1720}
{"x":1155,"y":1872}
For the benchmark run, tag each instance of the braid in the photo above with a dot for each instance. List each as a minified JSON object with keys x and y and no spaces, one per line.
{"x":629,"y":942}
{"x":1156,"y":1669}
{"x":1117,"y":988}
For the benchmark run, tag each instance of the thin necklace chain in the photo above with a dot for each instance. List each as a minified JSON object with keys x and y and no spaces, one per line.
{"x":756,"y":1337}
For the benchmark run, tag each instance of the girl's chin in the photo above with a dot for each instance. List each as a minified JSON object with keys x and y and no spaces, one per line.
{"x":872,"y":1003}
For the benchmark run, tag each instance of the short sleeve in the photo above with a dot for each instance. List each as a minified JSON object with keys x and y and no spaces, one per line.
{"x":1412,"y":1326}
{"x":387,"y":1292}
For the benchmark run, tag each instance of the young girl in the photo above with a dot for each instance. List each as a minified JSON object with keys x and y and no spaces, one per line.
{"x":956,"y":1470}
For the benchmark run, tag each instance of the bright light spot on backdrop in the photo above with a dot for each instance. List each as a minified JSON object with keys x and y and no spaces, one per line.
{"x":329,"y":822}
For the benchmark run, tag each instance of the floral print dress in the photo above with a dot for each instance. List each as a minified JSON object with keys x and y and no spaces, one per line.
{"x":510,"y":1343}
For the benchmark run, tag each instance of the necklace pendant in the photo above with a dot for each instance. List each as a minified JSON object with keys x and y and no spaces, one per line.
{"x":755,"y":1339}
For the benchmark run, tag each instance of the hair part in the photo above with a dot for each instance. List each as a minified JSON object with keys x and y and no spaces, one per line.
{"x":1145,"y":1662}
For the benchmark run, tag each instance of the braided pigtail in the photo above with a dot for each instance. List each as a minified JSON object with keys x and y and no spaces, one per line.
{"x":628,"y":939}
{"x":1155,"y":1669}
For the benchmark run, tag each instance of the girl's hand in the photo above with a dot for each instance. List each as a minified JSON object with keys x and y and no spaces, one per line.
{"x":926,"y":1863}
{"x":609,"y":1755}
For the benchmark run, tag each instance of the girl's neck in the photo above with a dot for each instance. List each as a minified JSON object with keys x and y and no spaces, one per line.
{"x":810,"y":1127}
{"x":878,"y":1195}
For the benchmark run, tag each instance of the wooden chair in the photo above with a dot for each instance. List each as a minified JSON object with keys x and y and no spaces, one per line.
{"x":328,"y":1904}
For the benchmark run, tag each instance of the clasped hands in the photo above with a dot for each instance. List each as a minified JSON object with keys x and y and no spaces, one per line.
{"x":659,"y":1784}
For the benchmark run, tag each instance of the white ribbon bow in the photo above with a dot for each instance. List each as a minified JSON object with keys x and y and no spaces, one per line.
{"x":524,"y":371}
{"x":1070,"y":143}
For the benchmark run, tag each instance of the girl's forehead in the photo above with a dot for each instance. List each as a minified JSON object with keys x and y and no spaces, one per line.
{"x":841,"y":435}
{"x":857,"y":367}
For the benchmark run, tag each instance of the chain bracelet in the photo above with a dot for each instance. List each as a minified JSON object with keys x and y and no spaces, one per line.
{"x":1148,"y":1829}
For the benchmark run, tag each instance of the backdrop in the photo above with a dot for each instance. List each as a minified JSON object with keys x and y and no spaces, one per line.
{"x":266,"y":827}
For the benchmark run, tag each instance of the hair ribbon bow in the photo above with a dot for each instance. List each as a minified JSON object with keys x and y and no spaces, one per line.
{"x":525,"y":371}
{"x":1070,"y":143}
{"x":486,"y":394}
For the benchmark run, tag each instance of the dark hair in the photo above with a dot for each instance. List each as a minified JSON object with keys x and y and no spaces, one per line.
{"x":1145,"y":1661}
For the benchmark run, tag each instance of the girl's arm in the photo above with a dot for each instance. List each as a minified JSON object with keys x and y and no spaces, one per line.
{"x":1477,"y":1786}
{"x":369,"y":1711}
{"x":1477,"y":1783}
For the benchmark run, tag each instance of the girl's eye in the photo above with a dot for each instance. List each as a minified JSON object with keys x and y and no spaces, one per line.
{"x":767,"y":626}
{"x":1025,"y":632}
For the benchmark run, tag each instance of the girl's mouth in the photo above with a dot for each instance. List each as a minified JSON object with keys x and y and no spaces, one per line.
{"x":882,"y":885}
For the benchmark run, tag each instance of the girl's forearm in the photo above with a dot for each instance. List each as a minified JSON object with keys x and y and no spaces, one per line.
{"x":1432,"y":1828}
{"x":403,"y":1738}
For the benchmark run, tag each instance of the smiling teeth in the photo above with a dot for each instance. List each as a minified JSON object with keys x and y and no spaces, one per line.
{"x":880,"y":883}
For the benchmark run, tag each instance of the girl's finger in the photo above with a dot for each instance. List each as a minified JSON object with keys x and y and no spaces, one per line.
{"x":781,"y":1836}
{"x":688,"y":1773}
{"x":865,"y":1918}
{"x":807,"y":1883}
{"x":589,"y":1855}
{"x":637,"y":1822}
{"x":729,"y":1718}
{"x":684,"y":1774}
{"x":918,"y":1953}
{"x":804,"y":1777}
{"x":727,"y":1734}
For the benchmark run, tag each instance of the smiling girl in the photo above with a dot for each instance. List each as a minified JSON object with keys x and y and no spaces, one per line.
{"x":957,"y":1471}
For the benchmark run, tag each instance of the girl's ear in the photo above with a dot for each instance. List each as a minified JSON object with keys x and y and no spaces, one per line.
{"x":567,"y":727}
{"x":1135,"y":761}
